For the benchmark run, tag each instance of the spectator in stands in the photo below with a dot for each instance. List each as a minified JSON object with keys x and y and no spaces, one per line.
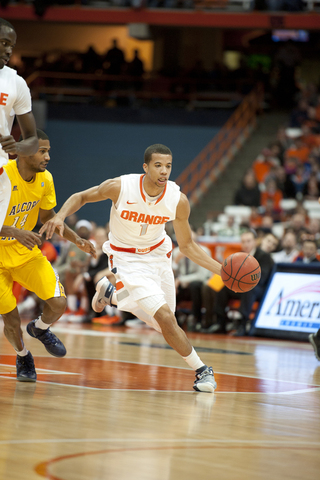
{"x":266,"y":225}
{"x":91,"y":61}
{"x":297,"y":222}
{"x":298,"y":150}
{"x":289,"y":250}
{"x":283,"y":142}
{"x":263,"y":164}
{"x":311,"y":189}
{"x":189,"y":278}
{"x":299,"y":180}
{"x":314,"y":230}
{"x":114,"y":60}
{"x":269,"y":243}
{"x":231,"y":229}
{"x":271,"y":193}
{"x":76,"y":262}
{"x":299,"y":114}
{"x":135,"y":68}
{"x":249,"y":245}
{"x":309,"y":252}
{"x":248,"y":194}
{"x":283,"y":182}
{"x":208,"y":225}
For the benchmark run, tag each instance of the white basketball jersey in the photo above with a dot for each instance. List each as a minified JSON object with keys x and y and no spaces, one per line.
{"x":137,"y":222}
{"x":15,"y":98}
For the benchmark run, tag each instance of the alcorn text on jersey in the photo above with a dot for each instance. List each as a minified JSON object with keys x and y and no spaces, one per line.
{"x":26,"y":200}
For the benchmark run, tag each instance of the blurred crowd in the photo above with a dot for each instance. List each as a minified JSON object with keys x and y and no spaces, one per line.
{"x":271,"y":5}
{"x":282,"y":186}
{"x":123,"y":73}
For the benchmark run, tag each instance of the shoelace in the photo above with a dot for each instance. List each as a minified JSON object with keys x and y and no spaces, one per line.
{"x":207,"y":371}
{"x":27,"y":361}
{"x":48,"y":338}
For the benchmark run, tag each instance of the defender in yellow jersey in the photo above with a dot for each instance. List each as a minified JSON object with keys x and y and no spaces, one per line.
{"x":21,"y":260}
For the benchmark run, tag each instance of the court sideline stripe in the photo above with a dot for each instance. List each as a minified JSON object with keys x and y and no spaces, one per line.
{"x":180,"y":368}
{"x":292,"y":392}
{"x":225,"y":441}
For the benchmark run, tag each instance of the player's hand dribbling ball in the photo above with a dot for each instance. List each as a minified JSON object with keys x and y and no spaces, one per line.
{"x":240,"y":272}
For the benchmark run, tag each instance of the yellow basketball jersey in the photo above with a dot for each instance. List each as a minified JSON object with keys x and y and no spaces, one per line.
{"x":26,"y":200}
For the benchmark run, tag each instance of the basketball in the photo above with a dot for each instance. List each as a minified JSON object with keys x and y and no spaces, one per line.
{"x":240,"y":272}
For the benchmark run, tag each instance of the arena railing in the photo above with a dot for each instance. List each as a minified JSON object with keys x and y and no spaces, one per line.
{"x":205,"y":169}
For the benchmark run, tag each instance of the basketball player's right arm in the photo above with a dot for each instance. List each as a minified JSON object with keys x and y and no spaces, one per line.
{"x":110,"y":189}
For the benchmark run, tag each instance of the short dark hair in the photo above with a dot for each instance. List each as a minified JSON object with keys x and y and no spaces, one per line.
{"x":5,"y":23}
{"x":156,"y":148}
{"x":40,"y":133}
{"x":310,"y":240}
{"x":250,"y":230}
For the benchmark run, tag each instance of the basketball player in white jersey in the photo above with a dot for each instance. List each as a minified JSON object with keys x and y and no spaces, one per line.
{"x":139,"y":249}
{"x":15,"y":99}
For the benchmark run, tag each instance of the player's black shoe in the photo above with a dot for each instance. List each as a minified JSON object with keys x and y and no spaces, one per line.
{"x":26,"y":371}
{"x":52,"y":343}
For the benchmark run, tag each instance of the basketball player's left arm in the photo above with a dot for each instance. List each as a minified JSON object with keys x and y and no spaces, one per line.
{"x":30,"y":144}
{"x":69,"y":234}
{"x":184,"y":238}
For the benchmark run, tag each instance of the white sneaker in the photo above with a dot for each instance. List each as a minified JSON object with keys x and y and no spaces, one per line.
{"x":205,"y":381}
{"x":104,"y":294}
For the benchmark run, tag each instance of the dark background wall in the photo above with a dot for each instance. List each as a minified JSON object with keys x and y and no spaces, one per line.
{"x":84,"y":154}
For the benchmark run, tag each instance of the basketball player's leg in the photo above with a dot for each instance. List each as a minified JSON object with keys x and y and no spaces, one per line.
{"x":12,"y":329}
{"x":39,"y":277}
{"x":162,"y":315}
{"x":171,"y":331}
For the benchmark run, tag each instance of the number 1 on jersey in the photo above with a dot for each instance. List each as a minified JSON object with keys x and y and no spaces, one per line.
{"x":144,"y":228}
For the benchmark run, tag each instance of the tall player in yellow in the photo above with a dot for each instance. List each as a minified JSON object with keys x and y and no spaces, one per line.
{"x":21,"y":260}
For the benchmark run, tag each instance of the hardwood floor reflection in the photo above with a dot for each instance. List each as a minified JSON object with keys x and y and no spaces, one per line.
{"x":120,"y":405}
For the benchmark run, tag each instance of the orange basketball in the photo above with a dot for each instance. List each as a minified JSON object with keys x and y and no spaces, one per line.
{"x":240,"y":272}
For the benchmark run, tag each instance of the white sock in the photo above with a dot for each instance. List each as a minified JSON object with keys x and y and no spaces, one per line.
{"x":40,"y":324}
{"x":23,"y":352}
{"x":72,"y":301}
{"x":193,"y":360}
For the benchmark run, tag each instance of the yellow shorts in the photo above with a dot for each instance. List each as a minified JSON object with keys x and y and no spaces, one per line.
{"x":35,"y":274}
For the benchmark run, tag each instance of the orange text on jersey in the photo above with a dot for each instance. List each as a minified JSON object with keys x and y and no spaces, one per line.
{"x":142,"y":218}
{"x":3,"y":98}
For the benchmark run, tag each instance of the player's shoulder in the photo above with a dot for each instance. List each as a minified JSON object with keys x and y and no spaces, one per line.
{"x":10,"y":167}
{"x":173,"y":184}
{"x":8,"y":71}
{"x":131,"y":176}
{"x":45,"y":177}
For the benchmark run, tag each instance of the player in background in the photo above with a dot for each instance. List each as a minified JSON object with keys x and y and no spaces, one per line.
{"x":139,"y":249}
{"x":15,"y":99}
{"x":314,"y":338}
{"x":21,"y":260}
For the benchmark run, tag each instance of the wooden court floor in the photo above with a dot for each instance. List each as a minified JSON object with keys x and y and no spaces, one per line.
{"x":120,"y":406}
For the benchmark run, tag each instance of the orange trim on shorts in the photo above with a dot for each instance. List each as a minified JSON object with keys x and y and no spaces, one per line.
{"x":139,"y":251}
{"x":119,"y":285}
